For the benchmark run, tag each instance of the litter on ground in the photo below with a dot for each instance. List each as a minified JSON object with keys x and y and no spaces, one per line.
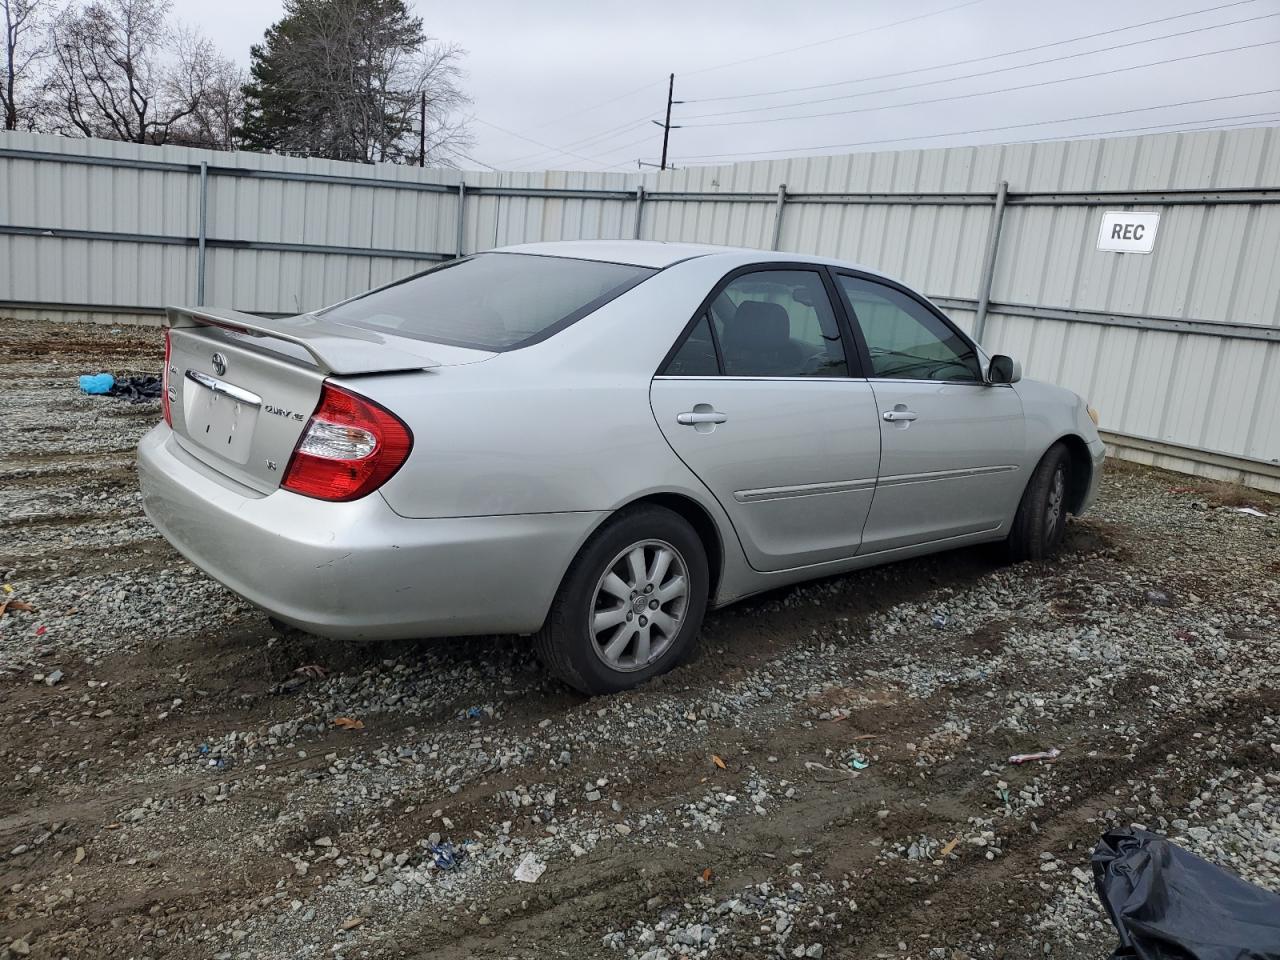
{"x":1051,"y":754}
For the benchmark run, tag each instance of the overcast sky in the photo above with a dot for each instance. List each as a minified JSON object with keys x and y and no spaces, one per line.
{"x":572,"y":84}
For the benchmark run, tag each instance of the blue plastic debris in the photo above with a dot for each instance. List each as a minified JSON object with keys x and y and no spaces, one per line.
{"x":474,"y":712}
{"x":97,"y":383}
{"x":202,"y":749}
{"x":445,"y":856}
{"x":939,"y":620}
{"x":859,"y":764}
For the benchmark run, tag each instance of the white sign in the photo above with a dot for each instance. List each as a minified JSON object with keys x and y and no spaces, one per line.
{"x":1127,"y":232}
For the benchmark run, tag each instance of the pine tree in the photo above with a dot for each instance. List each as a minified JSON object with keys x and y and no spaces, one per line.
{"x":342,"y":79}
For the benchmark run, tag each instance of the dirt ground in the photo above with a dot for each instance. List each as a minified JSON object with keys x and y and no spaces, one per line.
{"x":828,"y":777}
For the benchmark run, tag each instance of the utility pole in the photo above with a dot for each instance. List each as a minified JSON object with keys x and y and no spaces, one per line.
{"x":422,"y":131}
{"x":666,"y":127}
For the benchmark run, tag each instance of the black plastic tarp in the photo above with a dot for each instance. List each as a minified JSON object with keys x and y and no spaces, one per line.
{"x":1168,"y":904}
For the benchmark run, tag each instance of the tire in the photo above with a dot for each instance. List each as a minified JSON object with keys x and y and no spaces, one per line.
{"x":1041,"y":521}
{"x":593,"y":639}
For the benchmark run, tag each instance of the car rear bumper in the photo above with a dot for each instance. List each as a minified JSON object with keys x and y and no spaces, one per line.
{"x":358,"y":570}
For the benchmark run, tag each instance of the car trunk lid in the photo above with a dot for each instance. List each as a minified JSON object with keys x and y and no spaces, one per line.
{"x":242,"y":387}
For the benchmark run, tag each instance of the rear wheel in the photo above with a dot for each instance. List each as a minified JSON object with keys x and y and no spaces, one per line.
{"x":630,"y":605}
{"x":1041,"y":521}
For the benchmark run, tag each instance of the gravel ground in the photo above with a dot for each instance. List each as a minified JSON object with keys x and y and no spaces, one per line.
{"x":828,"y":777}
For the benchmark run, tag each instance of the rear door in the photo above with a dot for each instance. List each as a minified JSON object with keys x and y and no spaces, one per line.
{"x":760,"y":401}
{"x":949,"y":440}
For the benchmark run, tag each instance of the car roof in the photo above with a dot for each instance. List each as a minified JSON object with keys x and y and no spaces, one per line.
{"x":640,"y":253}
{"x":659,"y":253}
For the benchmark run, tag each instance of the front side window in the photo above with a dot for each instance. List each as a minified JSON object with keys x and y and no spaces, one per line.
{"x":492,"y":301}
{"x":907,"y":341}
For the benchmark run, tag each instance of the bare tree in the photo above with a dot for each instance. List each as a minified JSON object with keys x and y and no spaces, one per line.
{"x":439,"y":75}
{"x":24,"y":47}
{"x":213,"y":83}
{"x":121,"y":71}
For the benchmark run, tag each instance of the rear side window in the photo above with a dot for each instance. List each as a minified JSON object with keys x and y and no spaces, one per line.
{"x":492,"y":301}
{"x":767,"y":323}
{"x":696,"y":356}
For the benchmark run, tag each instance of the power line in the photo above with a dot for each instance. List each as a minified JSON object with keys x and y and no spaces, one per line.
{"x":961,"y":63}
{"x":843,"y":36}
{"x":1249,"y":119}
{"x":474,"y":160}
{"x":987,"y":93}
{"x":1215,"y":123}
{"x":870,"y":109}
{"x":963,"y":76}
{"x":570,"y":153}
{"x":647,"y":138}
{"x":538,"y":143}
{"x":582,"y":142}
{"x":959,"y":133}
{"x":602,"y":103}
{"x":613,"y":131}
{"x":622,"y":146}
{"x":733,"y":63}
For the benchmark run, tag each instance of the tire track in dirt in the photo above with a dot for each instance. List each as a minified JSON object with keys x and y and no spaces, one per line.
{"x":1148,"y":697}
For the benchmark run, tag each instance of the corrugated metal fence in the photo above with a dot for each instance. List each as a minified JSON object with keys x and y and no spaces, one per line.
{"x":1180,"y":349}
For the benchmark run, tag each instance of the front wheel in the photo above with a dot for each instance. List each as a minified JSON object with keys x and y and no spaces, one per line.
{"x":631,"y":603}
{"x":1041,"y":521}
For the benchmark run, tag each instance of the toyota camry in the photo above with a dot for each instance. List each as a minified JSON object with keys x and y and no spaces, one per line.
{"x":593,"y":442}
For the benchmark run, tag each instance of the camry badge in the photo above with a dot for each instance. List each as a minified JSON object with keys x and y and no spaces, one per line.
{"x":219,"y":364}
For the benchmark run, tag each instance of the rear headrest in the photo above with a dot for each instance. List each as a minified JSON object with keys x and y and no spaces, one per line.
{"x":758,"y":325}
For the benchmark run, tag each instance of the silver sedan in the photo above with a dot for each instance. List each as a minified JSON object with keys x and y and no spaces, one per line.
{"x":592,"y":442}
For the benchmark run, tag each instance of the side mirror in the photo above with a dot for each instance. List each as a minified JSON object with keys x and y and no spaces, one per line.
{"x":1004,"y":370}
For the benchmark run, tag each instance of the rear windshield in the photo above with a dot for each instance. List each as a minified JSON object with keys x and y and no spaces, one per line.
{"x":492,"y":301}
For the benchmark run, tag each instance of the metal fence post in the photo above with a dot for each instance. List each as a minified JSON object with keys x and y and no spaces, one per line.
{"x":989,"y":265}
{"x":462,"y":211}
{"x":635,"y":234}
{"x":777,"y":215}
{"x":202,"y":232}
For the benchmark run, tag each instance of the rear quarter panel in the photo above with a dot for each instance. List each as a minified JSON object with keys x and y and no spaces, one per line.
{"x":562,"y":425}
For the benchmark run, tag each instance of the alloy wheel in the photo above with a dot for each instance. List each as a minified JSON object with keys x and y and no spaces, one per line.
{"x":639,"y":605}
{"x":1053,"y":509}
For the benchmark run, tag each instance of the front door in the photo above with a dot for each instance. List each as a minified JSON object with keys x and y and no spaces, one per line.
{"x":758,"y":401}
{"x":949,"y":440}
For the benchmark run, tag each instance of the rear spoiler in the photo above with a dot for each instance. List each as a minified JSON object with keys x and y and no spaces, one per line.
{"x":336,"y":348}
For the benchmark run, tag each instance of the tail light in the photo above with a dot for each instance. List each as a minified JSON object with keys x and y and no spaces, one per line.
{"x":350,"y":447}
{"x":165,"y":399}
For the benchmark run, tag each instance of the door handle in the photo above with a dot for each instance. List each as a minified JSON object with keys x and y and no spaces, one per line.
{"x":896,"y":415}
{"x":694,"y":417}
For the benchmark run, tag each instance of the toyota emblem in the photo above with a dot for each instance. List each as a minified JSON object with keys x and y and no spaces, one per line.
{"x":219,"y":364}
